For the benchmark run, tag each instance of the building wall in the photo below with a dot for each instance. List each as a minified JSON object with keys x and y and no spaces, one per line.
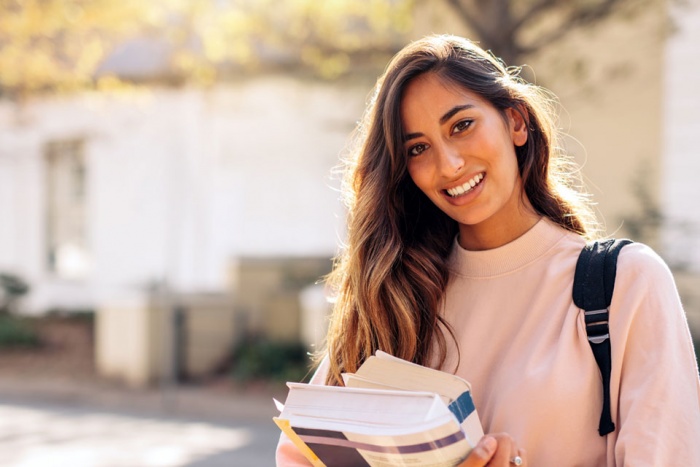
{"x":680,"y":195}
{"x":179,"y":182}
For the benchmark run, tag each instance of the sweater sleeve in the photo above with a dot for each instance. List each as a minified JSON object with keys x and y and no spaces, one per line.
{"x":654,"y":365}
{"x":287,"y":454}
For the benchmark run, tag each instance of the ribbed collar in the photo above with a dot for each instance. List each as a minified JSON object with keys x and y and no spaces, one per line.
{"x":509,"y":257}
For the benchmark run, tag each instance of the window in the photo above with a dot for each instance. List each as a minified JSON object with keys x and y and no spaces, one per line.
{"x":67,"y":250}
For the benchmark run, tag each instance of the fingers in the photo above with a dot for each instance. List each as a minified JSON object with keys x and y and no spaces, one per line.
{"x":495,"y":450}
{"x":505,"y":451}
{"x":482,"y":452}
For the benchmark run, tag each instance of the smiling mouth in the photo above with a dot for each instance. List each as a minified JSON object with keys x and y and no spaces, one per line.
{"x":466,"y":187}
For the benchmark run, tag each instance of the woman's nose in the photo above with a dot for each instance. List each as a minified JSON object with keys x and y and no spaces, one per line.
{"x":451,"y":161}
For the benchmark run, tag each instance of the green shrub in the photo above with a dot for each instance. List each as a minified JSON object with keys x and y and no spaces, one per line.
{"x":261,"y":359}
{"x":17,"y":332}
{"x":12,"y":287}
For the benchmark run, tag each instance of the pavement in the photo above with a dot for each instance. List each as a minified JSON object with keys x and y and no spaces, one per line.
{"x":64,"y":422}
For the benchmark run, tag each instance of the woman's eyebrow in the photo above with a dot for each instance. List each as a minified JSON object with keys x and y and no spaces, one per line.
{"x":450,"y":113}
{"x":411,"y":136}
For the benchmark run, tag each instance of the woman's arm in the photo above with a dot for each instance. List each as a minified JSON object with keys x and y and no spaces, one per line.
{"x":658,"y":410}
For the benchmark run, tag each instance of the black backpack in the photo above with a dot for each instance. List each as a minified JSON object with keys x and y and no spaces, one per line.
{"x":594,"y":281}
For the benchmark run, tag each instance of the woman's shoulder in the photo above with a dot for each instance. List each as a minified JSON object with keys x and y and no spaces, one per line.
{"x":640,"y":261}
{"x":636,"y":261}
{"x":645,"y":282}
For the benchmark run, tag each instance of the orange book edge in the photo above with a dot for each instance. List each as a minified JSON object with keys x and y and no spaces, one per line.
{"x":286,"y":428}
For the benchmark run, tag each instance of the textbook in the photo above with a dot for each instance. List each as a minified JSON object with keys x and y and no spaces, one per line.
{"x":390,"y":412}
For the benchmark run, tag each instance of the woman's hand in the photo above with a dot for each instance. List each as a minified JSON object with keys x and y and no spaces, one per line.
{"x":495,"y":450}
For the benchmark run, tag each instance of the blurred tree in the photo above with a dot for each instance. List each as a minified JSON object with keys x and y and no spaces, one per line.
{"x":325,"y":38}
{"x":61,"y":45}
{"x":335,"y":37}
{"x":57,"y":44}
{"x":515,"y":29}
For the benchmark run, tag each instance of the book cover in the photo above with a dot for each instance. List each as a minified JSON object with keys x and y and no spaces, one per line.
{"x":396,"y":418}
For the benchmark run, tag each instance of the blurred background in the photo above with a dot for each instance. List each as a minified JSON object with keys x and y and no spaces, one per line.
{"x":170,"y":194}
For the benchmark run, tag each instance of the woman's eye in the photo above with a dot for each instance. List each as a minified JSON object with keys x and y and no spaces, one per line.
{"x":462,"y":125}
{"x":417,"y":149}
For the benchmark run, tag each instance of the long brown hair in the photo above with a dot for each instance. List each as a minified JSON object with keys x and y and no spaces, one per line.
{"x":392,"y":274}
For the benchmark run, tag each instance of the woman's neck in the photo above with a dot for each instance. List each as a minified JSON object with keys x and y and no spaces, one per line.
{"x":493,"y":233}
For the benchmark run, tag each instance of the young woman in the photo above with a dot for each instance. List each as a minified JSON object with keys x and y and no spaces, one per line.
{"x":464,"y":233}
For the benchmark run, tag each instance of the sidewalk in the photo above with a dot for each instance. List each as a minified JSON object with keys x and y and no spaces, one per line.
{"x":62,"y":371}
{"x":63,"y":422}
{"x":56,"y":411}
{"x":211,"y":402}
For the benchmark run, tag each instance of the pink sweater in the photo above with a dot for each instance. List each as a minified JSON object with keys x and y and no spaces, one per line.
{"x":524,"y":349}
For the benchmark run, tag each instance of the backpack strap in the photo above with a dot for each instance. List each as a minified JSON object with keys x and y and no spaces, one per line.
{"x":594,"y":282}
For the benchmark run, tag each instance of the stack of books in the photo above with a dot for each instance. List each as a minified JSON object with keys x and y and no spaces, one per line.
{"x":390,"y":412}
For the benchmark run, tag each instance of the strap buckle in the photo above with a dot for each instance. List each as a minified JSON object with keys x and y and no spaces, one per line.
{"x":597,"y":325}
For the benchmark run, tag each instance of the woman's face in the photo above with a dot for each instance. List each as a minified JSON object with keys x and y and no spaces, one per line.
{"x":461,"y":154}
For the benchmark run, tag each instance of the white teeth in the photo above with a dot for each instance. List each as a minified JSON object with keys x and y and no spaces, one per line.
{"x":460,"y":190}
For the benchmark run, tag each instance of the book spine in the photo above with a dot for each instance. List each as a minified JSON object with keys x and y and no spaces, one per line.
{"x":463,"y":406}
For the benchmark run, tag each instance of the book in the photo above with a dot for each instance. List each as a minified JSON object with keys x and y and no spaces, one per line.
{"x":390,"y":412}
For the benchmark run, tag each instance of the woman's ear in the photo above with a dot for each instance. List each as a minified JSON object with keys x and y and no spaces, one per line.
{"x":517,"y":120}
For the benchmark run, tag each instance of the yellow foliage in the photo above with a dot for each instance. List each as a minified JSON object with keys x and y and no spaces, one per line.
{"x":109,"y":83}
{"x":57,"y":45}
